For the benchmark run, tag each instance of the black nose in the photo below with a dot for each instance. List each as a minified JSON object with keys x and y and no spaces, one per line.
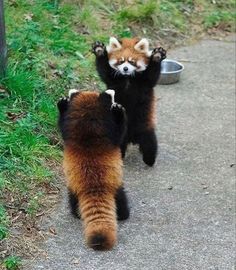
{"x":125,"y":69}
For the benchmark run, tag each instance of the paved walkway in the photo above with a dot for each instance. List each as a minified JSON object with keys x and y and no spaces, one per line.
{"x":182,"y":209}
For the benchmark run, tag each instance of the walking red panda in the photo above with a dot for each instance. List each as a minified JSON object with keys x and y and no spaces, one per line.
{"x":92,"y":127}
{"x":132,"y":70}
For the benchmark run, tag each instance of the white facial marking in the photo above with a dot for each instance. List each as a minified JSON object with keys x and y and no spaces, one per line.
{"x":126,"y":68}
{"x":112,"y":63}
{"x":72,"y":91}
{"x":114,"y":45}
{"x":149,"y":53}
{"x":112,"y":94}
{"x":141,"y":65}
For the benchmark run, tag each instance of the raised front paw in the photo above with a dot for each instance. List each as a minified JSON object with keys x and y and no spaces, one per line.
{"x":62,"y":104}
{"x":98,"y":48}
{"x":118,"y":112}
{"x":158,"y":54}
{"x":115,"y":107}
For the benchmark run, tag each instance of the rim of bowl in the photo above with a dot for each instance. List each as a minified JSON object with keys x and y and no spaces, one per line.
{"x":172,"y":72}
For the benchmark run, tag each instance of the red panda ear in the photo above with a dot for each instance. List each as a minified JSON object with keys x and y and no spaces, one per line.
{"x":111,"y":92}
{"x":72,"y":92}
{"x":142,"y":46}
{"x":114,"y":45}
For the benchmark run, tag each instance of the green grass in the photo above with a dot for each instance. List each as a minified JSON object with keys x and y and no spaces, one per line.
{"x":4,"y":222}
{"x":12,"y":263}
{"x":48,"y":53}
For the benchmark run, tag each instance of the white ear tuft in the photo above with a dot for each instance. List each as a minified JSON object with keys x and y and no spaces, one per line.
{"x":142,"y":46}
{"x":72,"y":91}
{"x":112,"y":94}
{"x":114,"y":45}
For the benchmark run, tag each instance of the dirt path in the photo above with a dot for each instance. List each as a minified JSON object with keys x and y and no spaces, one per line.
{"x":182,"y":209}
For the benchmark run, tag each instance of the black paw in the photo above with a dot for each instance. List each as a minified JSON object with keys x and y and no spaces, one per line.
{"x":74,"y":204}
{"x":149,"y":156}
{"x":123,"y":215}
{"x":122,"y":206}
{"x":149,"y":160}
{"x":118,"y":113}
{"x":115,"y":107}
{"x":123,"y":150}
{"x":98,"y":48}
{"x":62,"y":104}
{"x":158,"y":54}
{"x":148,"y":146}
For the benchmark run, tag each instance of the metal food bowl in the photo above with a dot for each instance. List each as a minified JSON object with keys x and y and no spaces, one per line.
{"x":170,"y":71}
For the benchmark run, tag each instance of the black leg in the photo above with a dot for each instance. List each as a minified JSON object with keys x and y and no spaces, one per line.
{"x":102,"y":62}
{"x":122,"y":208}
{"x":153,"y":70}
{"x":74,"y":204}
{"x":148,"y":146}
{"x":120,"y":118}
{"x":119,"y":114}
{"x":123,"y":147}
{"x":62,"y":105}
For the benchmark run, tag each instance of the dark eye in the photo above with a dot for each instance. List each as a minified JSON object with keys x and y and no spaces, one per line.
{"x":121,"y":61}
{"x":132,"y":62}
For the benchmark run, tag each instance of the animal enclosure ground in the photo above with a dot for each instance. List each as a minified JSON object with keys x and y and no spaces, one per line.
{"x":48,"y":53}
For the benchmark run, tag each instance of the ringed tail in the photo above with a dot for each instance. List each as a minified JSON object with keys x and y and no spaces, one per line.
{"x":99,"y":215}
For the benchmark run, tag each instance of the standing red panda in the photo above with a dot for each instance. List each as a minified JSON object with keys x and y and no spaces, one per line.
{"x":92,"y":127}
{"x":132,"y":70}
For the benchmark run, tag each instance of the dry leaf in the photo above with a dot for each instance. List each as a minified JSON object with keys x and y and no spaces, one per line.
{"x":52,"y":230}
{"x":28,"y":16}
{"x":75,"y":261}
{"x":51,"y":65}
{"x":15,"y":116}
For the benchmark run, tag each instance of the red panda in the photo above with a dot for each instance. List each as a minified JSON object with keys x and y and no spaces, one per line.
{"x":130,"y":57}
{"x":132,"y":70}
{"x":92,"y":127}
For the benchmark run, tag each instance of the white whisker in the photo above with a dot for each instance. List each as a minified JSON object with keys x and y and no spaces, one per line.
{"x":116,"y":73}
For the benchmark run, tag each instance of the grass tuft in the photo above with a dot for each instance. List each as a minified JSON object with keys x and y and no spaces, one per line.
{"x":138,"y":12}
{"x":12,"y":263}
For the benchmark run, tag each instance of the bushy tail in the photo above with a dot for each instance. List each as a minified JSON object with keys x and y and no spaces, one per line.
{"x":99,"y":216}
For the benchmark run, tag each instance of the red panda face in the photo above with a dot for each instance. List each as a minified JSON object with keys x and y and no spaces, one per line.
{"x":128,"y":56}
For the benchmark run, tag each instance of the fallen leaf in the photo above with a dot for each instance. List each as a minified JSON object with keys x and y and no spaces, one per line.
{"x":51,"y":65}
{"x":52,"y":230}
{"x":75,"y":261}
{"x":28,"y":16}
{"x":40,"y":214}
{"x":58,"y":73}
{"x":15,"y":116}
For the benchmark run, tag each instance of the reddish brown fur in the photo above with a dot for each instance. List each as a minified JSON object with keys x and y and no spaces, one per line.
{"x":93,"y":174}
{"x":133,"y":84}
{"x":128,"y":51}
